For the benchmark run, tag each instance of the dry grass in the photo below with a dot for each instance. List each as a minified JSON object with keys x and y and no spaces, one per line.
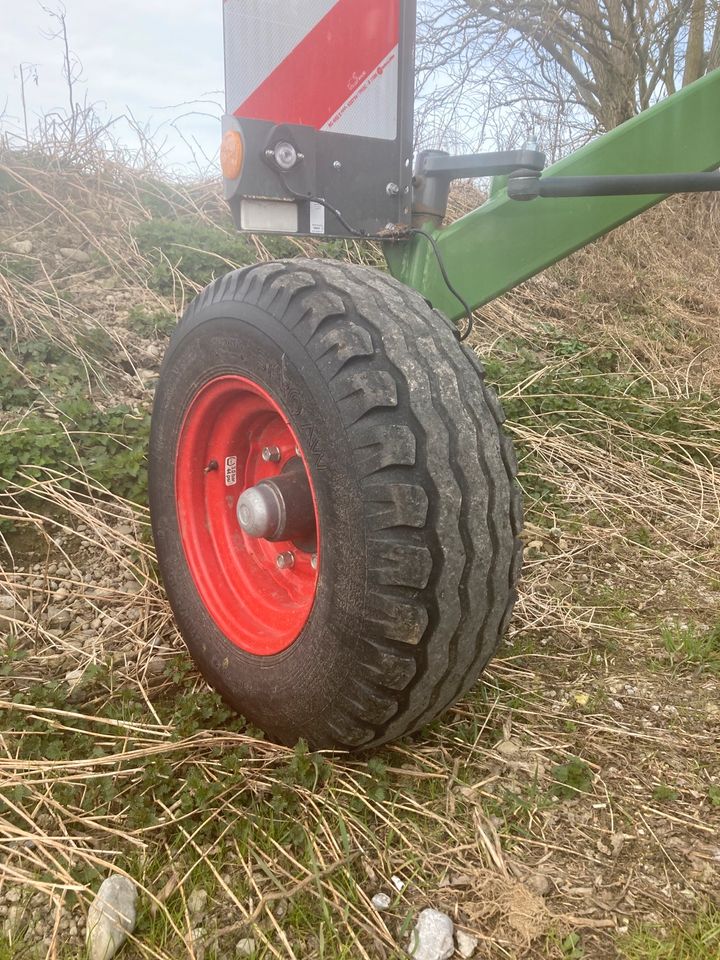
{"x":570,"y":797}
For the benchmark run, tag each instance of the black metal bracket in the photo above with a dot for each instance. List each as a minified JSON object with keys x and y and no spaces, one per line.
{"x":435,"y":170}
{"x":469,"y":166}
{"x":528,"y":185}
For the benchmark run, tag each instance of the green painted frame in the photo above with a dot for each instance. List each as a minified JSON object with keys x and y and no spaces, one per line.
{"x":504,"y":242}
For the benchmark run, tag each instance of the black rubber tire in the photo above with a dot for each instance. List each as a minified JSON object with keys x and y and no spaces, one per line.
{"x":420,"y":511}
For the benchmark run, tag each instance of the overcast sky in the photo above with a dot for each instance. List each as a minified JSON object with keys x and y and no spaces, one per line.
{"x":150,"y":56}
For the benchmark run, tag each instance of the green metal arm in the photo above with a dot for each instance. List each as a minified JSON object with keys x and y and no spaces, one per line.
{"x":503,"y":242}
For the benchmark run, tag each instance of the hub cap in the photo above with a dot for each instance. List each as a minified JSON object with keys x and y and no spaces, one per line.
{"x":280,"y":508}
{"x":242,"y":513}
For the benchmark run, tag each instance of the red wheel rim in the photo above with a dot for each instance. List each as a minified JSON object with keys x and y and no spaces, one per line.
{"x":259,"y":607}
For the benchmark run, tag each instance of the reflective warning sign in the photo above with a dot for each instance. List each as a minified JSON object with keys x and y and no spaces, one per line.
{"x":328,"y":64}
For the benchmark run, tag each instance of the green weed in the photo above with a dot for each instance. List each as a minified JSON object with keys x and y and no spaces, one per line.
{"x":693,"y":646}
{"x":17,"y":268}
{"x":16,"y":951}
{"x":197,"y":251}
{"x":109,"y":446}
{"x":664,"y":794}
{"x":700,"y":940}
{"x":47,"y":362}
{"x":151,"y":323}
{"x":571,"y":779}
{"x":571,"y":947}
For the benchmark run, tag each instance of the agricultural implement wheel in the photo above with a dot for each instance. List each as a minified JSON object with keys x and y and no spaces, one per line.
{"x":334,"y":502}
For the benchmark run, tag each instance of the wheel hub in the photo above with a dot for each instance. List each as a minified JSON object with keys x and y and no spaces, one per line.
{"x":247,"y":514}
{"x":279,"y":508}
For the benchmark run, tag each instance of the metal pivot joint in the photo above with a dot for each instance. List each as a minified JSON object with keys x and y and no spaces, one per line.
{"x":435,"y":170}
{"x":430,"y":194}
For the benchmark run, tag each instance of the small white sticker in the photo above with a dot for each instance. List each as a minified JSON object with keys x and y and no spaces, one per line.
{"x":230,"y":471}
{"x":317,"y":218}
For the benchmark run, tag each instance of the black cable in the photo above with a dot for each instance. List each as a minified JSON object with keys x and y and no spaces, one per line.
{"x":405,"y":233}
{"x":323,"y":203}
{"x":443,"y":270}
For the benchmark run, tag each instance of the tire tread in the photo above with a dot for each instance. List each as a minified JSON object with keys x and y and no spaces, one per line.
{"x":438,"y":479}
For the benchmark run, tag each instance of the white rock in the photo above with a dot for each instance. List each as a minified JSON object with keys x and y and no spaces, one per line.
{"x":245,"y":947}
{"x":58,"y":617}
{"x":381,"y":901}
{"x":13,"y":921}
{"x":508,"y":748}
{"x":10,"y":616}
{"x":111,"y":917}
{"x":22,"y":246}
{"x":156,"y":665}
{"x":397,"y":883}
{"x":197,"y":942}
{"x":197,"y":902}
{"x":466,"y":944}
{"x":539,"y":883}
{"x":77,"y":256}
{"x":432,"y":938}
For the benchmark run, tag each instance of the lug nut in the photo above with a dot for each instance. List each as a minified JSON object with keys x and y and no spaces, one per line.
{"x":271,"y":454}
{"x":285,"y":560}
{"x":313,"y":561}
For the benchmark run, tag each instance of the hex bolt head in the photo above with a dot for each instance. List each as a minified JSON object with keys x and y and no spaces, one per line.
{"x":337,"y":165}
{"x":285,"y":560}
{"x":313,"y":561}
{"x":271,"y":454}
{"x":392,"y":190}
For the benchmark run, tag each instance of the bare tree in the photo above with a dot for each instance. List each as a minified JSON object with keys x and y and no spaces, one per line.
{"x":26,"y":71}
{"x":571,"y":67}
{"x":72,"y":68}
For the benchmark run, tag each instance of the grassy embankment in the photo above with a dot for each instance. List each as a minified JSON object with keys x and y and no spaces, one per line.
{"x":568,"y":807}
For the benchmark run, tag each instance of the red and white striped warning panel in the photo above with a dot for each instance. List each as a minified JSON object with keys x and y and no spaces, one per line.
{"x":328,"y":64}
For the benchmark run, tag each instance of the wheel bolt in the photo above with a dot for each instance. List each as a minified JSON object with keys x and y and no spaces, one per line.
{"x":313,"y":561}
{"x":285,"y":560}
{"x":271,"y":454}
